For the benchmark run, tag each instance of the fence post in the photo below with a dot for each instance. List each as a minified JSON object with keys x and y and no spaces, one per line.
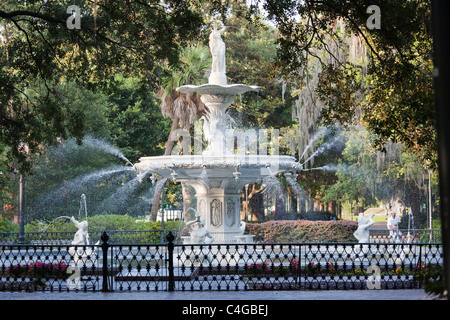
{"x":299,"y":267}
{"x":170,"y":246}
{"x":105,"y":247}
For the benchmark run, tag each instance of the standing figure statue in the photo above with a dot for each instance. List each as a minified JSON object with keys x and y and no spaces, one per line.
{"x":198,"y":231}
{"x":362,"y":233}
{"x":217,"y":47}
{"x":80,"y":252}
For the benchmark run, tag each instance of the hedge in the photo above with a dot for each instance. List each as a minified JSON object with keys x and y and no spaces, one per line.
{"x":284,"y":231}
{"x":100,"y":223}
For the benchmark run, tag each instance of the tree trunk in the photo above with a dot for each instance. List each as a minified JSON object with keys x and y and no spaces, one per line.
{"x":339,"y":210}
{"x":161,"y":180}
{"x":292,"y":201}
{"x":302,"y":204}
{"x":310,"y":207}
{"x":256,"y":206}
{"x":415,"y":204}
{"x":157,"y":197}
{"x":280,"y":206}
{"x":187,"y":192}
{"x":333,"y":207}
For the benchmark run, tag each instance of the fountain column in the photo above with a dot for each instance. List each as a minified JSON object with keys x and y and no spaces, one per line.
{"x":219,"y":205}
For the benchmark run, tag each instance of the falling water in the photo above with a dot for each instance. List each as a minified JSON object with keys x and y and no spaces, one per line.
{"x":106,"y":147}
{"x":83,"y":205}
{"x":115,"y":202}
{"x":298,"y":190}
{"x":204,"y":175}
{"x":328,"y":167}
{"x":318,"y":135}
{"x":324,"y":147}
{"x":76,"y":183}
{"x":51,"y":222}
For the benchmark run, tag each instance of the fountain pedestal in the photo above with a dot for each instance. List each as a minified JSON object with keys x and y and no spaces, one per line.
{"x":221,"y":211}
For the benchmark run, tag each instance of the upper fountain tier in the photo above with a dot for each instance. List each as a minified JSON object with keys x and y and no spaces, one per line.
{"x":217,"y":89}
{"x":217,"y":95}
{"x":217,"y":81}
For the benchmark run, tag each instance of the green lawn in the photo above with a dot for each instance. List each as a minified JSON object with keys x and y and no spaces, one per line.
{"x":375,"y":218}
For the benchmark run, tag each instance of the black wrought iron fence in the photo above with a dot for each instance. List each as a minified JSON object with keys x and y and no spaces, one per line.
{"x":160,"y":267}
{"x":49,"y":268}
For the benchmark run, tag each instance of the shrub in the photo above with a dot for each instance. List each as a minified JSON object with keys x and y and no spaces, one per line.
{"x":431,"y":277}
{"x":303,"y":231}
{"x":106,"y":222}
{"x":310,"y":215}
{"x":7,"y":226}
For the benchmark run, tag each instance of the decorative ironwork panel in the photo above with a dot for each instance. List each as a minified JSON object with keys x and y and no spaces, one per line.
{"x":290,"y":266}
{"x":236,"y":267}
{"x":49,"y":268}
{"x":139,"y":268}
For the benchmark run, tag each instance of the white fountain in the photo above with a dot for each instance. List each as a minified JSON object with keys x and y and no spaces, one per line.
{"x":219,"y":173}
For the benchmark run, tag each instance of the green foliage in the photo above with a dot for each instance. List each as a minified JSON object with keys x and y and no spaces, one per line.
{"x":108,"y":222}
{"x":6,"y":181}
{"x":251,"y":51}
{"x":40,"y":50}
{"x":357,"y":172}
{"x":366,"y":177}
{"x":431,"y":277}
{"x":392,"y":87}
{"x":135,"y":123}
{"x":7,"y":226}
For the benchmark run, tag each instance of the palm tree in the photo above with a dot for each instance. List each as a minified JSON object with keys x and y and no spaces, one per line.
{"x":182,"y":108}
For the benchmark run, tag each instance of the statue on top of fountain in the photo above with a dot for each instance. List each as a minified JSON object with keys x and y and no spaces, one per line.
{"x":217,"y":47}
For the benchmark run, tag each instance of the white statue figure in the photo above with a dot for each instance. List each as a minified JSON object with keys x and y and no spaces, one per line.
{"x":80,"y":252}
{"x":198,"y":235}
{"x":217,"y":47}
{"x":362,"y":233}
{"x":242,"y":226}
{"x":81,"y":236}
{"x":198,"y":231}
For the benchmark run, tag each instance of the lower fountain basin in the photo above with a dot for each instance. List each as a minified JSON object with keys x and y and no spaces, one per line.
{"x":188,"y":167}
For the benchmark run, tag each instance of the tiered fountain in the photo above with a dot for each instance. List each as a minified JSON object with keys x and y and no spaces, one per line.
{"x":218,"y":173}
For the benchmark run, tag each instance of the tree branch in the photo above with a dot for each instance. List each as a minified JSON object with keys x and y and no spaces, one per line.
{"x":13,"y":14}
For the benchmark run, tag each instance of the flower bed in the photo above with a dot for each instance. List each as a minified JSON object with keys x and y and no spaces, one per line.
{"x":266,"y":269}
{"x":38,"y":270}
